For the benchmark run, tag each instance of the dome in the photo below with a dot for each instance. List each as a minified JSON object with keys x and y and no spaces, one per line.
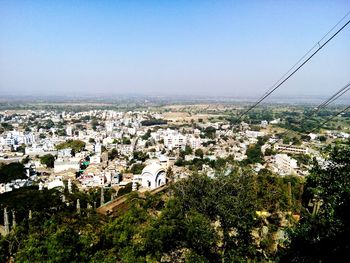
{"x":153,"y":169}
{"x":153,"y":176}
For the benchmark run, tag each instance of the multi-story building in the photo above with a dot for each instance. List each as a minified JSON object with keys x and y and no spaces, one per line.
{"x":174,"y":140}
{"x":285,"y":164}
{"x":195,"y":142}
{"x":290,"y":149}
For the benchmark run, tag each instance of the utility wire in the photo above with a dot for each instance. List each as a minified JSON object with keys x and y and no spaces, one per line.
{"x":325,"y":103}
{"x":335,"y":96}
{"x":308,"y":52}
{"x":268,"y":93}
{"x":329,"y":119}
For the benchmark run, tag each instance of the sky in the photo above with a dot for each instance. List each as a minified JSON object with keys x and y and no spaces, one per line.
{"x":156,"y":48}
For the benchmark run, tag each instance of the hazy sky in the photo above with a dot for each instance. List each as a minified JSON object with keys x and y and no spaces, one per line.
{"x":234,"y":48}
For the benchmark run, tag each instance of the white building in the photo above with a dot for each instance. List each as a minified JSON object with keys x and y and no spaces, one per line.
{"x":264,"y":123}
{"x":109,"y":126}
{"x":254,"y":134}
{"x":174,"y":139}
{"x":69,"y":131}
{"x":285,"y":165}
{"x":291,"y":149}
{"x":17,"y":138}
{"x":98,"y":148}
{"x":153,"y":176}
{"x":95,"y":159}
{"x":67,"y":152}
{"x":195,"y":142}
{"x":57,"y":182}
{"x":38,"y":150}
{"x":276,"y":121}
{"x":63,"y":164}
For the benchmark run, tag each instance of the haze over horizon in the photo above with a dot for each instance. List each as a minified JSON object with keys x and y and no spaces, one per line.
{"x":170,"y":48}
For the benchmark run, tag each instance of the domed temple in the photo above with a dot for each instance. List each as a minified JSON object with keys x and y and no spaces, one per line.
{"x":153,"y":176}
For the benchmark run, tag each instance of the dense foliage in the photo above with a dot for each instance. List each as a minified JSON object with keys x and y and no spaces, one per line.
{"x":12,"y":171}
{"x":152,"y":122}
{"x":48,"y":160}
{"x":137,"y":168}
{"x":323,"y":235}
{"x":75,"y":145}
{"x":229,"y":218}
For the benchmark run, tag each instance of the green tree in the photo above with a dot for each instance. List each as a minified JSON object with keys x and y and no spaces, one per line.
{"x":113,"y":154}
{"x":147,"y":135}
{"x":323,"y":234}
{"x":75,"y":145}
{"x":137,"y":168}
{"x":188,"y":150}
{"x":210,"y":132}
{"x":7,"y":126}
{"x":11,"y":171}
{"x":49,"y":124}
{"x":199,"y":152}
{"x":126,"y":140}
{"x":254,"y":154}
{"x":139,"y":155}
{"x":322,"y":138}
{"x":94,"y":124}
{"x":48,"y":160}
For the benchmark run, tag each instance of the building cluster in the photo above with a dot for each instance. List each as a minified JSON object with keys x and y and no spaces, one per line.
{"x":106,"y":148}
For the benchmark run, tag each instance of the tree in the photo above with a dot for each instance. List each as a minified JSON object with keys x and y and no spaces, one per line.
{"x":7,"y":126}
{"x":199,"y":194}
{"x":152,"y":122}
{"x":48,"y":160}
{"x":200,"y":234}
{"x":170,"y":174}
{"x":305,"y":137}
{"x":21,"y":148}
{"x":180,"y":162}
{"x":269,"y":152}
{"x":137,"y":168}
{"x":296,"y":141}
{"x":75,"y":145}
{"x":139,"y":155}
{"x":126,"y":140}
{"x":61,"y":132}
{"x":11,"y":171}
{"x":188,"y":150}
{"x":113,"y":154}
{"x":49,"y":124}
{"x":322,"y":138}
{"x":199,"y":152}
{"x":286,"y":140}
{"x":210,"y":132}
{"x":94,"y":124}
{"x":25,"y":160}
{"x":147,"y":135}
{"x":323,"y":235}
{"x":254,"y":154}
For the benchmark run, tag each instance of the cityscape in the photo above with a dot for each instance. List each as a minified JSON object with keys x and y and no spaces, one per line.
{"x":148,"y":173}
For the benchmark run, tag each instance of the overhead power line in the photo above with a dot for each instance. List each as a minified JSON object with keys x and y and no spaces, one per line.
{"x":329,"y":119}
{"x":308,"y":52}
{"x":325,"y":103}
{"x":335,"y":96}
{"x":291,"y":72}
